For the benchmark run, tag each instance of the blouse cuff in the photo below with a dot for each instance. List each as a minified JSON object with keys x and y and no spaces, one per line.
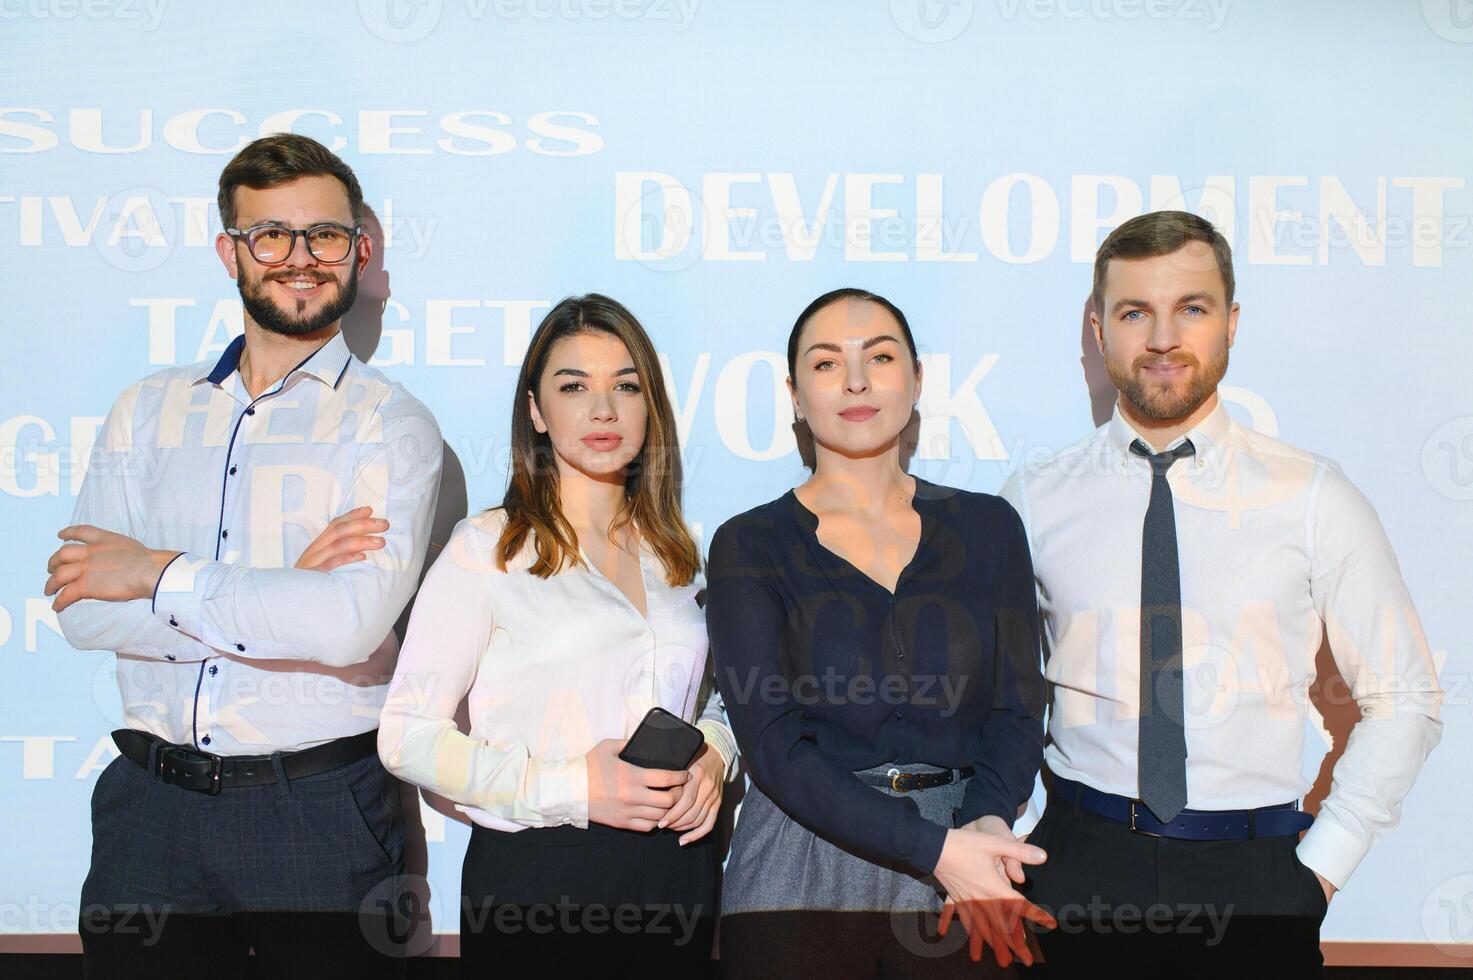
{"x":720,"y":738}
{"x":562,"y":790}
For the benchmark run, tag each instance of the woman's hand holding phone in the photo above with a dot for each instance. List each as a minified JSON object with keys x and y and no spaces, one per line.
{"x":627,"y":796}
{"x":700,"y":801}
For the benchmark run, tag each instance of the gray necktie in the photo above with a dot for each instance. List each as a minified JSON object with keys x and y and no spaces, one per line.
{"x":1162,"y":749}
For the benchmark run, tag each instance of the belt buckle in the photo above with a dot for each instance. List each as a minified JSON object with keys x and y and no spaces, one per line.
{"x":1134,"y":828}
{"x":186,"y":754}
{"x":896,"y":777}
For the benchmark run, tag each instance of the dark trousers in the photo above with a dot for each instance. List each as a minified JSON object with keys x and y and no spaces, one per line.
{"x":305,"y":872}
{"x":1193,"y":908}
{"x":220,"y":947}
{"x":826,"y":944}
{"x":563,"y":901}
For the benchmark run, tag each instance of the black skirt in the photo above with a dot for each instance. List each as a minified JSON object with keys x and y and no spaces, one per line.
{"x":625,"y":901}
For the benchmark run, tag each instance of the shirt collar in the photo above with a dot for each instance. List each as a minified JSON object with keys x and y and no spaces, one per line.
{"x":1208,"y":436}
{"x":327,"y":363}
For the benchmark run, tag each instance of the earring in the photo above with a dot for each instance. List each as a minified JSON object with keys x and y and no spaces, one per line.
{"x":802,"y":419}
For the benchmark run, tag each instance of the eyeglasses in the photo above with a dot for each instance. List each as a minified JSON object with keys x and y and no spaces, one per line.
{"x":270,"y":243}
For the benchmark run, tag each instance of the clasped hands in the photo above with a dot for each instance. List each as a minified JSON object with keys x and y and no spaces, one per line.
{"x":621,"y":794}
{"x":979,"y":865}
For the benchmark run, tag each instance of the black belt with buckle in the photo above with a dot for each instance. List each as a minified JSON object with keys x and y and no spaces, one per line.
{"x":909,"y":782}
{"x":203,"y":772}
{"x":1279,"y":820}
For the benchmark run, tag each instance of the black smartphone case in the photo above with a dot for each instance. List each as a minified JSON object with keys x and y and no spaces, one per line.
{"x":663,"y":741}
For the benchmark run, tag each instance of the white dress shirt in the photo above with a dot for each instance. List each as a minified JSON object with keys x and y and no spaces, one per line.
{"x":239,"y":653}
{"x":552,"y":666}
{"x":1278,"y":550}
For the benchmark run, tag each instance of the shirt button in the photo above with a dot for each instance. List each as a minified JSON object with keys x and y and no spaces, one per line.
{"x":250,"y":411}
{"x":205,"y":740}
{"x":232,"y":471}
{"x":173,"y":621}
{"x":225,"y":534}
{"x":214,"y":670}
{"x":899,"y":715}
{"x":240,"y":647}
{"x":168,"y":656}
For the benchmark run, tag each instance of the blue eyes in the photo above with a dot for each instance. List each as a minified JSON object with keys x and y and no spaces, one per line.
{"x":1130,"y":316}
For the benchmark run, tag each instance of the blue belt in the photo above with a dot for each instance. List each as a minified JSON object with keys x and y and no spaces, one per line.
{"x":1280,"y":820}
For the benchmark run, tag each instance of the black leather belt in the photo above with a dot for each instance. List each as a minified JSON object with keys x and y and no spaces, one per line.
{"x":908,"y":782}
{"x":203,"y":772}
{"x":1280,"y":820}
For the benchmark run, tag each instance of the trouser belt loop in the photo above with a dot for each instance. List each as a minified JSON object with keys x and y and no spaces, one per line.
{"x":283,"y":784}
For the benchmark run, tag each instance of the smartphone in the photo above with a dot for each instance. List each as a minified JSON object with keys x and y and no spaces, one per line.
{"x":663,"y":741}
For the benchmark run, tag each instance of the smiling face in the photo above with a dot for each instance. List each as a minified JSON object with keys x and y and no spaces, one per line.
{"x":855,"y":381}
{"x":302,"y":294}
{"x":591,"y":405}
{"x":1164,"y":327}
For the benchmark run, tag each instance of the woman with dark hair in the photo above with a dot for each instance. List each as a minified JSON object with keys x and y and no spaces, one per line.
{"x":566,"y":613}
{"x":875,"y":638}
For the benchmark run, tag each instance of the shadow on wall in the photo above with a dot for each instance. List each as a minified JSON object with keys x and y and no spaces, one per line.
{"x":1330,"y":696}
{"x":363,"y":328}
{"x":1096,"y":379}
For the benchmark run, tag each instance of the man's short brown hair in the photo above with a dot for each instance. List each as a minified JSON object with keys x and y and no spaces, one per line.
{"x":280,"y":159}
{"x":1160,"y":233}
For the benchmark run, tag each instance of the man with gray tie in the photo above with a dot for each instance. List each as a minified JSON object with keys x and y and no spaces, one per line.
{"x":247,"y":534}
{"x":1188,"y":569}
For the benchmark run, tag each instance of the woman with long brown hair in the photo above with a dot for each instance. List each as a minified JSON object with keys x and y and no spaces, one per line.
{"x":565,"y":614}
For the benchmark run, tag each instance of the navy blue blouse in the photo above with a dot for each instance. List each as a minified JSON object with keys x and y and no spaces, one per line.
{"x":825,"y":672}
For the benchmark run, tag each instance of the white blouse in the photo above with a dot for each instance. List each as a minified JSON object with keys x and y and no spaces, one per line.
{"x":552,"y":666}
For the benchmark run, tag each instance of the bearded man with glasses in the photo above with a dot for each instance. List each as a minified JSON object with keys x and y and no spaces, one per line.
{"x":247,"y":534}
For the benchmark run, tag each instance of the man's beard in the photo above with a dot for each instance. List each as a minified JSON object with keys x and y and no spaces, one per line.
{"x":267,"y":314}
{"x":1166,"y":403}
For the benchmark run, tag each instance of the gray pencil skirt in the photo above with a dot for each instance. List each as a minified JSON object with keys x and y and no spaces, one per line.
{"x":777,"y":864}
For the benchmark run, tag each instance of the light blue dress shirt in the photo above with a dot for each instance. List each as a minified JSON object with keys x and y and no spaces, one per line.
{"x":239,"y":653}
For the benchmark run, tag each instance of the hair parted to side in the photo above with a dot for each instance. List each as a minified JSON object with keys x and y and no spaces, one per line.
{"x":653,"y":480}
{"x":1160,"y":233}
{"x":280,"y":159}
